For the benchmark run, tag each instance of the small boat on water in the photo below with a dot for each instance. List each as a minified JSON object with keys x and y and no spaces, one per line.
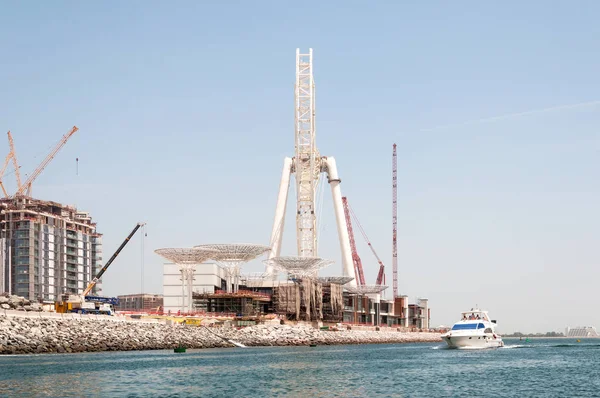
{"x":179,"y":348}
{"x":474,"y":330}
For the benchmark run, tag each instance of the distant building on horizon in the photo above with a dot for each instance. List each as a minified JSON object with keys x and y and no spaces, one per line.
{"x":581,"y":331}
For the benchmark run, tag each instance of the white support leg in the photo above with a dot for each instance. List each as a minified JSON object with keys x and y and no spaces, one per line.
{"x":334,"y":181}
{"x":182,"y":288}
{"x":277,"y":233}
{"x":190,"y":282}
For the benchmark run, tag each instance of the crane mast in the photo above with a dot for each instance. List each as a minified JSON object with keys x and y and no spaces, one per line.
{"x":14,"y":159}
{"x":27,"y":184}
{"x":395,"y":221}
{"x":307,"y":161}
{"x":358,"y":268}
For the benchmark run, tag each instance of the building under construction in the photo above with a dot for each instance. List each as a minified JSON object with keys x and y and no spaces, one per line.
{"x":321,"y":299}
{"x":303,"y":295}
{"x":47,"y":249}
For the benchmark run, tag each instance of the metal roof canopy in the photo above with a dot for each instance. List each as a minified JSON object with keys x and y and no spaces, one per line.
{"x":365,"y":289}
{"x":300,"y":267}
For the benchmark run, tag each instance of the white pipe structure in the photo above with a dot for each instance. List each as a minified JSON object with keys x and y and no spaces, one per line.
{"x":182,"y":270}
{"x":277,"y":233}
{"x":334,"y":181}
{"x":187,"y":282}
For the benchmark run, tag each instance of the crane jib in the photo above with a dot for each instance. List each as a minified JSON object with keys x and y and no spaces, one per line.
{"x":109,"y":262}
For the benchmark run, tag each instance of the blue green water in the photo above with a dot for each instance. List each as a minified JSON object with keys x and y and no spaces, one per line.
{"x":538,"y":368}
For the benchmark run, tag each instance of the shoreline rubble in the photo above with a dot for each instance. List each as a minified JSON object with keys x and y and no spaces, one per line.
{"x":36,"y":334}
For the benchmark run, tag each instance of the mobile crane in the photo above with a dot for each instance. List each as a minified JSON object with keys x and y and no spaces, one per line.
{"x":86,"y":304}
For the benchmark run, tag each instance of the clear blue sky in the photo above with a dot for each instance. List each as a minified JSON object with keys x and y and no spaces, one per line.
{"x":185,"y":112}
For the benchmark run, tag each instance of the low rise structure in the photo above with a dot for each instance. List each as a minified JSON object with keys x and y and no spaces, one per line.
{"x":297,"y":299}
{"x":140,"y":302}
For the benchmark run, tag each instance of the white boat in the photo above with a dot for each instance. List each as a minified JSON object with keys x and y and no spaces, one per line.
{"x":474,"y":330}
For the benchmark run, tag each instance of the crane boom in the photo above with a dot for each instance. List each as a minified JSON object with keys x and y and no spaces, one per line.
{"x":27,"y":184}
{"x":381,"y":275}
{"x":358,"y":268}
{"x":91,"y":285}
{"x":14,"y":159}
{"x":8,"y":157}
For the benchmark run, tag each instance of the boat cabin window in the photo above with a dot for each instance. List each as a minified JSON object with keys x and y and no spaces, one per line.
{"x":466,"y":326}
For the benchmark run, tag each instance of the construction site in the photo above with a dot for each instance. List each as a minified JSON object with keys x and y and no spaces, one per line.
{"x":52,"y":253}
{"x":206,"y":280}
{"x":46,"y":248}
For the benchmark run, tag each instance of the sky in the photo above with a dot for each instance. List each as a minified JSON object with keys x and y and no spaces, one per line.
{"x":185,"y":113}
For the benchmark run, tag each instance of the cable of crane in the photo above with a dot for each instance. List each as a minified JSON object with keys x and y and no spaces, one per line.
{"x":364,"y":234}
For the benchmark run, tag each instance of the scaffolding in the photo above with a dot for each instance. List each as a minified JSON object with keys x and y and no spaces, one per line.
{"x":243,"y":303}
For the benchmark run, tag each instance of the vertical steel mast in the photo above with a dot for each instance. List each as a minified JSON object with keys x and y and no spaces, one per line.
{"x":395,"y":221}
{"x":307,"y":161}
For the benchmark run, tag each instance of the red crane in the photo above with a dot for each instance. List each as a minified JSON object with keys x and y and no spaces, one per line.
{"x":358,"y":269}
{"x":355,"y":257}
{"x":395,"y":221}
{"x":25,"y":188}
{"x":381,"y":275}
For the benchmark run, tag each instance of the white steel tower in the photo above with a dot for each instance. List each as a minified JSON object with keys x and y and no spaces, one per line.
{"x":307,"y":162}
{"x":307,"y":165}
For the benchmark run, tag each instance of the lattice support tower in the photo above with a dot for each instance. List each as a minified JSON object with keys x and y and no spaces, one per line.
{"x":307,"y":162}
{"x":307,"y":165}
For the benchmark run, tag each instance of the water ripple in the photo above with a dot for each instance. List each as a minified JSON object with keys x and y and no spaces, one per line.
{"x":541,"y":368}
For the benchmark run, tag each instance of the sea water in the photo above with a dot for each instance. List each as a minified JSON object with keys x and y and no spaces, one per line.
{"x":534,"y":368}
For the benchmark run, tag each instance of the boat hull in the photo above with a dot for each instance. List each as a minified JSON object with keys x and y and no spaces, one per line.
{"x":472,"y":342}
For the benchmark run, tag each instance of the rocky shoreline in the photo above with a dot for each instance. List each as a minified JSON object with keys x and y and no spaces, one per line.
{"x":27,"y":335}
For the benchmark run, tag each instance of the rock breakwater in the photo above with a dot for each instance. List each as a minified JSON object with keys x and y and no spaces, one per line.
{"x":24,"y":335}
{"x":10,"y":302}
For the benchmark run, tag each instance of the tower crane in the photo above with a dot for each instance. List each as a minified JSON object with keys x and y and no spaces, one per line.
{"x":26,"y":187}
{"x":14,"y":159}
{"x":358,"y":268}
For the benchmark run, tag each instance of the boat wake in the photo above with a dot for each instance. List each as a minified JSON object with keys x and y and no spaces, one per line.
{"x":516,"y":346}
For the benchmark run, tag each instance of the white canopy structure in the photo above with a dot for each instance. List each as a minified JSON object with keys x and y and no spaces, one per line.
{"x":365,"y":289}
{"x":231,"y":256}
{"x":338,"y":280}
{"x":298,"y":267}
{"x":186,"y":259}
